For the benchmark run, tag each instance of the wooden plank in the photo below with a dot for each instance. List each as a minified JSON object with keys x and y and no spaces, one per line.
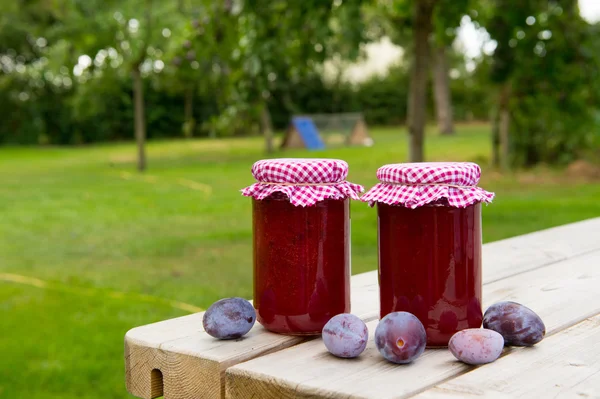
{"x":563,"y":294}
{"x":192,"y":370}
{"x":178,"y":359}
{"x":515,"y":255}
{"x":566,"y":365}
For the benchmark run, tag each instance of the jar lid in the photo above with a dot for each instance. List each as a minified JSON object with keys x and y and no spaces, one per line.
{"x":305,"y":181}
{"x":417,"y":184}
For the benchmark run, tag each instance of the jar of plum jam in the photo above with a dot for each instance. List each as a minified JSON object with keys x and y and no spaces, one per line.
{"x":301,"y":242}
{"x":429,"y":234}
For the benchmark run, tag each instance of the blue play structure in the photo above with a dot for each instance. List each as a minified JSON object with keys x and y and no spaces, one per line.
{"x":303,"y":132}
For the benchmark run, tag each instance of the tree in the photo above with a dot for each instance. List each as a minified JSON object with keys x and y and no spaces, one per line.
{"x":133,"y":32}
{"x":447,"y":16}
{"x":422,"y":27}
{"x":544,"y":65}
{"x":505,"y":18}
{"x":553,"y":92}
{"x":285,"y":41}
{"x":38,"y":40}
{"x":441,"y":89}
{"x":412,"y":25}
{"x":198,"y":55}
{"x":137,"y":38}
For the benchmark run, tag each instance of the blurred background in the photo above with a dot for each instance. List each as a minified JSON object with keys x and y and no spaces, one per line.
{"x":127,"y":129}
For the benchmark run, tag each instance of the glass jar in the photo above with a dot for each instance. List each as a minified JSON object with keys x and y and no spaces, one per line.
{"x":301,"y":243}
{"x":430,"y":265}
{"x":429,"y":238}
{"x":301,"y":263}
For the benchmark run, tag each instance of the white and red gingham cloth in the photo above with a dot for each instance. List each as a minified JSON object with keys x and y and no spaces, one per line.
{"x":307,"y":173}
{"x":416,"y":184}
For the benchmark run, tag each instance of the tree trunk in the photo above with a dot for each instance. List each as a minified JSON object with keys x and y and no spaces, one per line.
{"x":139,"y":119}
{"x":188,"y":112}
{"x":418,"y":83}
{"x":496,"y":140}
{"x":504,"y":126}
{"x":266,"y":127}
{"x":441,"y":89}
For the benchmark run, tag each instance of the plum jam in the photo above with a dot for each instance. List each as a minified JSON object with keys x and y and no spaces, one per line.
{"x":301,"y":264}
{"x":301,"y":242}
{"x":429,"y":238}
{"x":430,"y":266}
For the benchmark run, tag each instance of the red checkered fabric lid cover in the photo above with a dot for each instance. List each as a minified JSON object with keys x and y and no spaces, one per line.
{"x":417,"y":184}
{"x":300,"y":180}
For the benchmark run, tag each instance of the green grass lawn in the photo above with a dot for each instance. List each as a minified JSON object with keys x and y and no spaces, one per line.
{"x":89,"y":248}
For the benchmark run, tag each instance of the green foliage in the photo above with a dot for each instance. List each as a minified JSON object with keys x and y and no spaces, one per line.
{"x":471,"y":99}
{"x":199,"y":56}
{"x":286,"y":42}
{"x":384,"y":100}
{"x":507,"y":19}
{"x":549,"y":56}
{"x":391,"y":18}
{"x":381,"y":99}
{"x":446,"y":19}
{"x":209,"y":68}
{"x":102,"y":109}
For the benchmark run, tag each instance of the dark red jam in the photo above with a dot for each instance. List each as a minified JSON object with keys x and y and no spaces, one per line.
{"x":301,"y":263}
{"x":430,"y":265}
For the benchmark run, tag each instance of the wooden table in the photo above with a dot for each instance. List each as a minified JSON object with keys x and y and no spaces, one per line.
{"x":556,"y":272}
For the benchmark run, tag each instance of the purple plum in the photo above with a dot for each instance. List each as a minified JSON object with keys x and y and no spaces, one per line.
{"x":229,"y":318}
{"x":518,"y":325}
{"x":400,"y":337}
{"x":345,"y":335}
{"x":476,"y":345}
